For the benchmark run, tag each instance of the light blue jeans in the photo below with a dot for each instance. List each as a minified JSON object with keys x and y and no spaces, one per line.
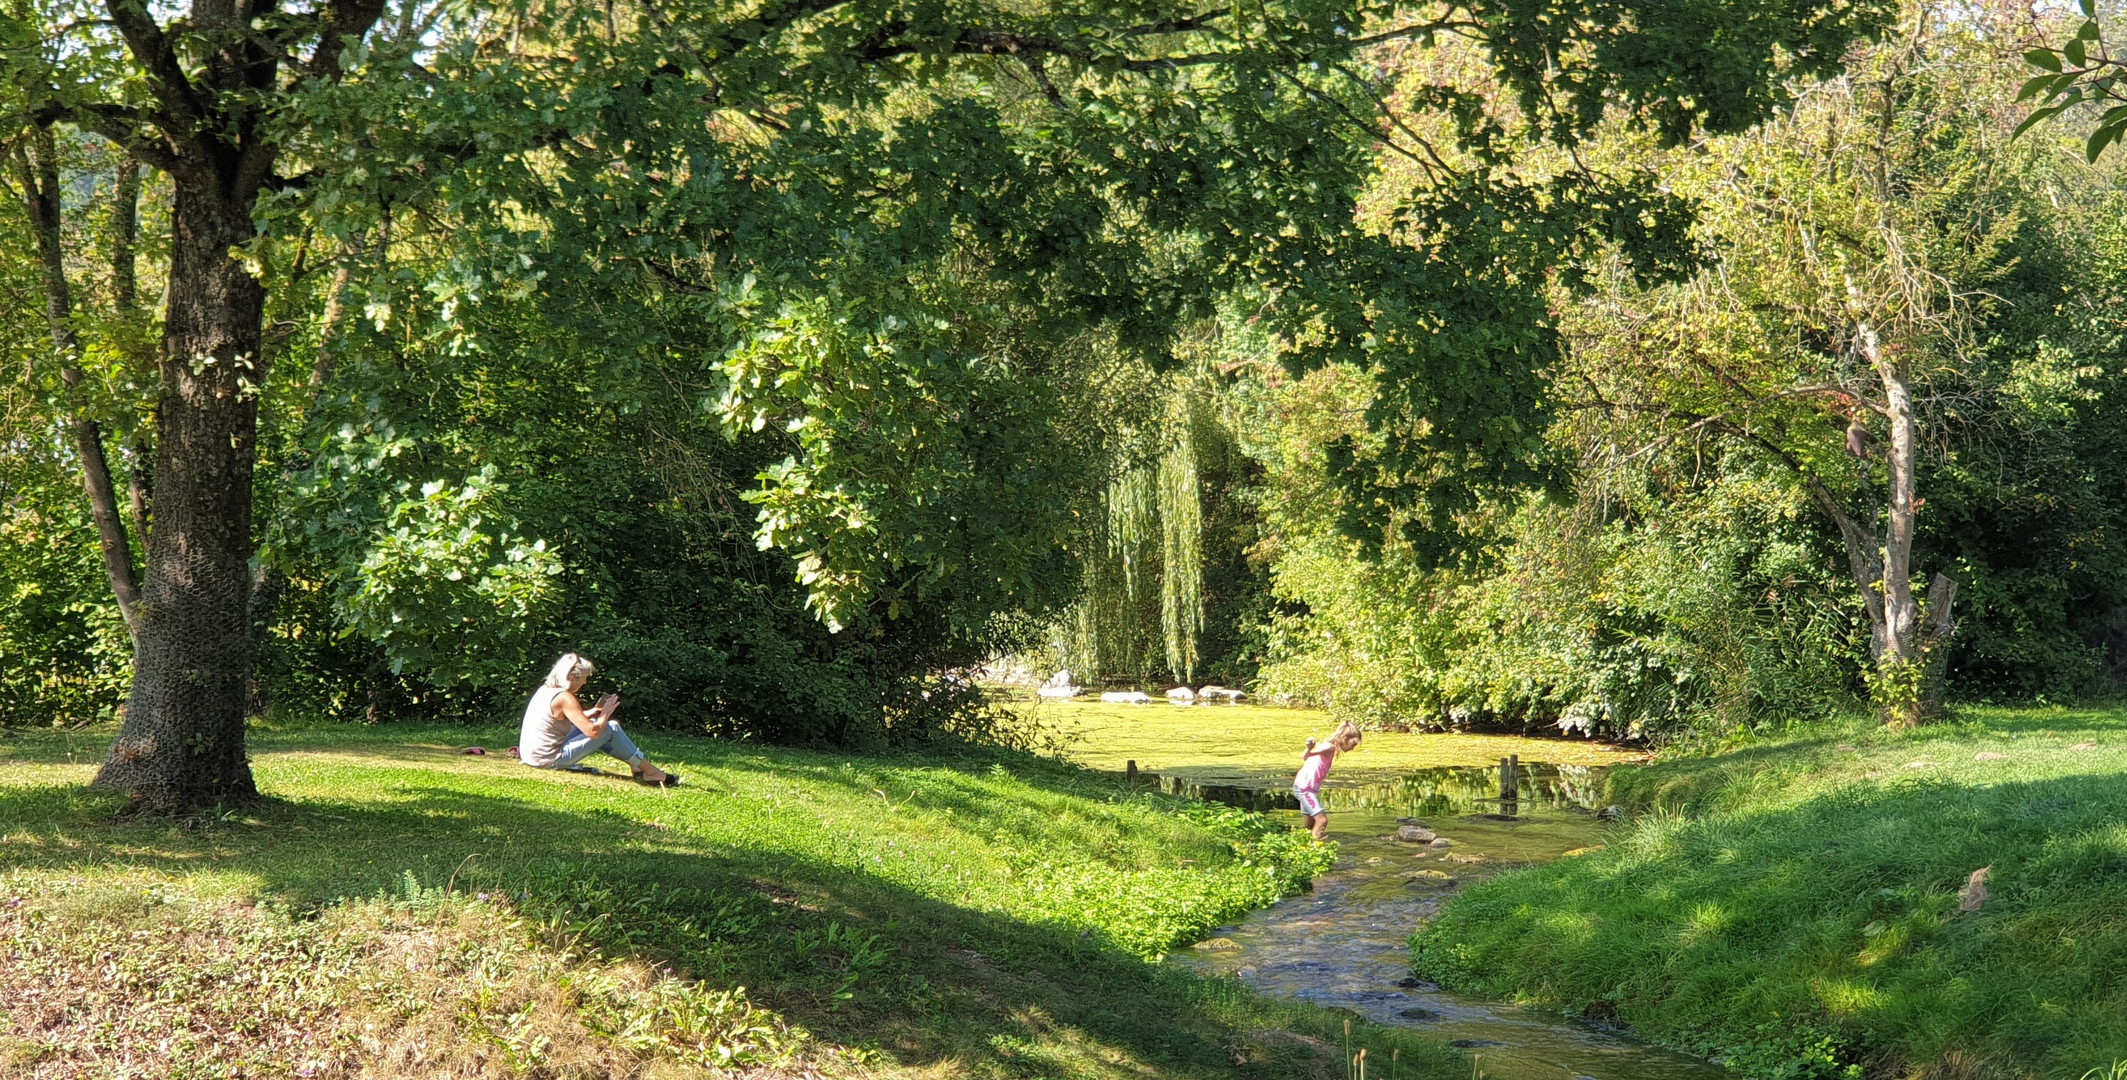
{"x":614,"y":741}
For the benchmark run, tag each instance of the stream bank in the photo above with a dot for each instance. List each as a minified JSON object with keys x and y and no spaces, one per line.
{"x":1345,"y":945}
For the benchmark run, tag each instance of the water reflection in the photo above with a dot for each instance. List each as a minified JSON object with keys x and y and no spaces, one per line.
{"x":1345,"y":945}
{"x":1446,"y":790}
{"x":1466,"y":790}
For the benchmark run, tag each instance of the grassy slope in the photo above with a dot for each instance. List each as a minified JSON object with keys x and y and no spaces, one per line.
{"x":1798,"y":899}
{"x":971,"y":916}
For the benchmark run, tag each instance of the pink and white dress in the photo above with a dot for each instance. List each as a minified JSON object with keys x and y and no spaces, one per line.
{"x":1307,"y":783}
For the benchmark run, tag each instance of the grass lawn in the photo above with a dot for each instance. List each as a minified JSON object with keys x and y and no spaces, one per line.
{"x":1794,"y":904}
{"x":396,"y":908}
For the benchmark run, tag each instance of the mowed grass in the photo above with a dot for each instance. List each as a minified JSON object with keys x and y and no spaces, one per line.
{"x":396,"y":908}
{"x":1795,"y":904}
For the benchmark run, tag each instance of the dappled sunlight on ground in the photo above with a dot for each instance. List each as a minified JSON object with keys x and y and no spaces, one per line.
{"x":955,"y":913}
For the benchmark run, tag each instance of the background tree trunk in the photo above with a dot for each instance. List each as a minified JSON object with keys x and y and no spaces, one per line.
{"x":36,"y":164}
{"x":1935,"y":634}
{"x":183,"y":740}
{"x":1900,"y":670}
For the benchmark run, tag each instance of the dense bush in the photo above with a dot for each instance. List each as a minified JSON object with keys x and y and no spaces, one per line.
{"x":64,"y":654}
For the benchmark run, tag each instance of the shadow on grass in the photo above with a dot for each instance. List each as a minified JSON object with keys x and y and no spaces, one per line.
{"x":1737,"y":932}
{"x":854,"y":956}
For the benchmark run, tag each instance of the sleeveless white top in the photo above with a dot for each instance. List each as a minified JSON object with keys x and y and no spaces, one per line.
{"x":539,"y":741}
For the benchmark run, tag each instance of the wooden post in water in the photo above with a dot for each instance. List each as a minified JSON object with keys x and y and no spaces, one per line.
{"x":1130,"y":772}
{"x":1509,"y":785}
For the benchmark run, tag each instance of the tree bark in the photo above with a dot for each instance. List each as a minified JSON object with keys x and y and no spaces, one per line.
{"x":125,"y":237}
{"x":1935,"y":635}
{"x":125,"y":296}
{"x":37,"y":174}
{"x":1864,"y":559}
{"x":183,"y":740}
{"x":335,"y":313}
{"x":206,"y":120}
{"x":1901,"y":671}
{"x":1901,"y":612}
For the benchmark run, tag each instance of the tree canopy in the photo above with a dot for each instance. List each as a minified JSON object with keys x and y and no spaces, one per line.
{"x":805,"y":337}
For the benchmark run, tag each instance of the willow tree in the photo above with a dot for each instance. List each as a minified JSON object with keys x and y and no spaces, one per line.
{"x":1145,"y":556}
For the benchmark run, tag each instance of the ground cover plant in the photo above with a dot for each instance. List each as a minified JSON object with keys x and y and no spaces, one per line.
{"x":396,"y":906}
{"x":1808,"y":906}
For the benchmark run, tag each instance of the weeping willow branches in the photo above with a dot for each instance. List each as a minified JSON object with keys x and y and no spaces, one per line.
{"x":1152,"y":530}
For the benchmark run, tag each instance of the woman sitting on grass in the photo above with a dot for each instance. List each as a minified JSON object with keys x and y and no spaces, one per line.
{"x":559,"y":732}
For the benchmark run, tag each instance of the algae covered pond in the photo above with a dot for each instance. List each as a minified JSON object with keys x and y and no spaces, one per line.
{"x":1345,"y":944}
{"x":1259,"y":746}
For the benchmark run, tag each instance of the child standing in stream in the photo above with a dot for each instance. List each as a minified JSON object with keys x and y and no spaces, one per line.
{"x":1314,"y":766}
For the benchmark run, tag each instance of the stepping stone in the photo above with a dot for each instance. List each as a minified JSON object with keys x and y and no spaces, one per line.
{"x":1419,"y":1014}
{"x":1415,"y":834}
{"x":1473,"y":1044}
{"x":1416,"y":983}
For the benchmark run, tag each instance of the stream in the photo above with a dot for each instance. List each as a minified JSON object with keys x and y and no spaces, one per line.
{"x":1345,"y":944}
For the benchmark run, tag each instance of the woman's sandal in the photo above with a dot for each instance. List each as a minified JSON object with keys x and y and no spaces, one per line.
{"x":671,"y":780}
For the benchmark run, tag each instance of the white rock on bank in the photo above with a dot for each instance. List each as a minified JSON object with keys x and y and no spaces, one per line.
{"x":1059,"y":686}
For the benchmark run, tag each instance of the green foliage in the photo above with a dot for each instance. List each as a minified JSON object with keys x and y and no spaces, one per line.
{"x":883,"y":217}
{"x":583,"y":507}
{"x":64,"y":653}
{"x":929,"y":459}
{"x":1690,"y":579}
{"x":1664,"y":601}
{"x":2079,"y":74}
{"x":437,"y":591}
{"x":1796,"y":903}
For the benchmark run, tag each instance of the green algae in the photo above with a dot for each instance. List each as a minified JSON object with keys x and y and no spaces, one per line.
{"x":1260,"y":746}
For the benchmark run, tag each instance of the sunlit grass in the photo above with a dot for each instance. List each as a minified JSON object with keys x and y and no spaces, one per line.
{"x":974,"y":914}
{"x":1807,"y":888}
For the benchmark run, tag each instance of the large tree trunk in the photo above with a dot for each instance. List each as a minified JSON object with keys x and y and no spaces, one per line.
{"x":183,"y":740}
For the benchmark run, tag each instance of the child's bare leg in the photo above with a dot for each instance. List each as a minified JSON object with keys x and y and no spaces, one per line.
{"x":1318,"y":824}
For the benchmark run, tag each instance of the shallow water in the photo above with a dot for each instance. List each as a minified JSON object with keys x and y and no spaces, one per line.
{"x":1346,"y":944}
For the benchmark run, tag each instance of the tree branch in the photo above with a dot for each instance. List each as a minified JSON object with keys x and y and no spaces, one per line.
{"x":182,"y":111}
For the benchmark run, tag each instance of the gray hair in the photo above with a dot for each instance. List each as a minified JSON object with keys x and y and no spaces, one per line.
{"x":568,"y":667}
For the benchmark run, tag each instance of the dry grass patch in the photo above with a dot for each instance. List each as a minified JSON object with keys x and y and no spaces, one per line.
{"x":125,"y":976}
